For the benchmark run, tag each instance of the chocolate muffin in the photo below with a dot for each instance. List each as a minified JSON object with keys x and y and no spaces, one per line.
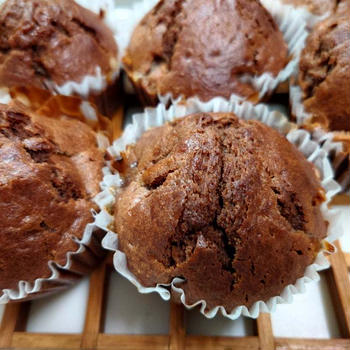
{"x":316,"y":7}
{"x":47,"y":43}
{"x":50,"y":169}
{"x":324,"y":73}
{"x":204,"y":48}
{"x":228,"y":205}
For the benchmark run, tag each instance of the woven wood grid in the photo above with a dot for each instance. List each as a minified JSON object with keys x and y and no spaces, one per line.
{"x":14,"y":336}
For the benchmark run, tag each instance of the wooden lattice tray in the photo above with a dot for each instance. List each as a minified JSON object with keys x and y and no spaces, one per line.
{"x":13,"y":334}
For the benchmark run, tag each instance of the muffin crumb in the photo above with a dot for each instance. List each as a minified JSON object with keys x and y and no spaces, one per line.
{"x":228,"y":205}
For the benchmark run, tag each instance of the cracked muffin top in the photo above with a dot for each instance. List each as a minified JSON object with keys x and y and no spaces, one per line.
{"x":50,"y":169}
{"x":46,"y":43}
{"x":316,"y":7}
{"x":204,"y":48}
{"x":324,"y":73}
{"x":228,"y":205}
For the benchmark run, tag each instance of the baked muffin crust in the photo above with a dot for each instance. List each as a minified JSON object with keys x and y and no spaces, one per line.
{"x":204,"y":48}
{"x":49,"y":171}
{"x":324,"y":74}
{"x":52,"y":41}
{"x":229,"y":205}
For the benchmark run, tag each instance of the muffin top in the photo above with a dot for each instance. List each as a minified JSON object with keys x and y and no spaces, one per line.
{"x":229,"y":205}
{"x":50,"y":169}
{"x":316,"y":7}
{"x":204,"y":48}
{"x":50,"y":42}
{"x":324,"y":74}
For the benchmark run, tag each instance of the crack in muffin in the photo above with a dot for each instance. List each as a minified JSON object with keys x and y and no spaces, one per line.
{"x":228,"y":205}
{"x":44,"y":42}
{"x":204,"y":48}
{"x":324,"y":74}
{"x":50,"y":169}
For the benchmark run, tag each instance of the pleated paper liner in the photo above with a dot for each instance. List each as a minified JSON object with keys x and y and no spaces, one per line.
{"x":289,"y":20}
{"x":89,"y":251}
{"x":302,"y":139}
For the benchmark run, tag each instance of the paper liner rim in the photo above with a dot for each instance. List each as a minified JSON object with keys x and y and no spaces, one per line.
{"x":157,"y":116}
{"x":25,"y":288}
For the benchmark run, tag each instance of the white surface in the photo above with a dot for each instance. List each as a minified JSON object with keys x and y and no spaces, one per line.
{"x":309,"y":316}
{"x":61,"y":313}
{"x":129,"y":312}
{"x":197,"y":324}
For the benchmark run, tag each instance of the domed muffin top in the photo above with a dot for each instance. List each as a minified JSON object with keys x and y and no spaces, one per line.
{"x":204,"y":48}
{"x":229,"y":205}
{"x":50,"y":170}
{"x":324,"y":74}
{"x":45,"y":42}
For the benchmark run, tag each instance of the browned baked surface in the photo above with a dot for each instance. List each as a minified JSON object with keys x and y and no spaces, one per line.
{"x":229,"y":205}
{"x":50,"y":169}
{"x":317,"y":7}
{"x":204,"y":48}
{"x":341,"y":160}
{"x":52,"y":40}
{"x":324,"y":74}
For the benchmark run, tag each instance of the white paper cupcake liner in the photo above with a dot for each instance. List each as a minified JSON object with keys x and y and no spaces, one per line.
{"x":337,"y":153}
{"x":124,"y":19}
{"x":78,"y":262}
{"x":5,"y":97}
{"x":153,"y":117}
{"x":296,"y":102}
{"x":294,"y":29}
{"x":303,"y":118}
{"x":90,"y":84}
{"x":93,"y":84}
{"x":289,"y":20}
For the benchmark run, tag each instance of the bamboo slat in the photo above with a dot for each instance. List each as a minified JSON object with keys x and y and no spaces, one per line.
{"x":25,"y":340}
{"x":265,"y":333}
{"x":341,"y":298}
{"x":221,"y":343}
{"x":133,"y":342}
{"x":311,"y":344}
{"x":8,"y":324}
{"x":94,"y":308}
{"x":347,"y":259}
{"x":176,"y":327}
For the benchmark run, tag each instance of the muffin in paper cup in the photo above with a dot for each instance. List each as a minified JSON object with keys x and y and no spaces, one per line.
{"x":113,"y":182}
{"x":59,"y":46}
{"x":50,"y":168}
{"x":318,"y":91}
{"x":337,"y":145}
{"x":181,"y":62}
